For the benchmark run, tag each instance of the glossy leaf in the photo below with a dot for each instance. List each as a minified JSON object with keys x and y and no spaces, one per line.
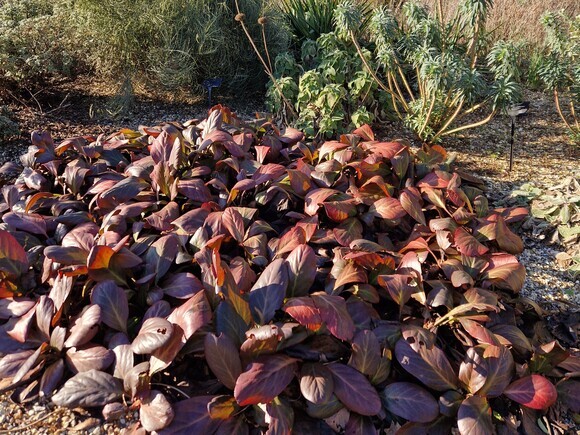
{"x":301,"y":270}
{"x":533,"y":391}
{"x":112,"y":300}
{"x":316,"y":383}
{"x":474,"y":417}
{"x":410,"y":401}
{"x":88,"y":389}
{"x":267,"y":294}
{"x":430,"y":366}
{"x":354,"y":390}
{"x":334,"y":314}
{"x":223,"y":359}
{"x":264,"y":379}
{"x":155,"y":412}
{"x":154,"y":333}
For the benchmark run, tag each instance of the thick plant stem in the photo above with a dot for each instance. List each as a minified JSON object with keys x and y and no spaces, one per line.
{"x":266,"y":46}
{"x":429,"y":112}
{"x":559,"y":109}
{"x":473,"y":125}
{"x":264,"y":64}
{"x":371,"y":72}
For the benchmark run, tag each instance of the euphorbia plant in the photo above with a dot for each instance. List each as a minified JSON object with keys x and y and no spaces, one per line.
{"x":431,"y":68}
{"x":226,"y":279}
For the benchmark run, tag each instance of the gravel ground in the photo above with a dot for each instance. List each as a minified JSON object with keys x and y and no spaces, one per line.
{"x":542,"y":156}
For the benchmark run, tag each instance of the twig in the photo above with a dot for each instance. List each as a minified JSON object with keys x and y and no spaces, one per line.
{"x":36,"y":101}
{"x":60,"y":106}
{"x":173,"y":388}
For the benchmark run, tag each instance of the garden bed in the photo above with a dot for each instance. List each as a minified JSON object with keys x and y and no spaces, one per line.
{"x":542,"y":156}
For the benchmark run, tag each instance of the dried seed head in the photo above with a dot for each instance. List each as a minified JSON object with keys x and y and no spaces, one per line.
{"x":262,"y":20}
{"x":240,"y":17}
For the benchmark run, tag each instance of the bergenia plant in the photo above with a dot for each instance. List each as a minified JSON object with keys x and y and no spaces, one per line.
{"x":220,"y":278}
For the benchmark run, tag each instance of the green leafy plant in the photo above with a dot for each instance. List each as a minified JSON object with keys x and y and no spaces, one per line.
{"x":309,"y":19}
{"x":35,"y":41}
{"x":560,"y":207}
{"x":560,"y":69}
{"x":328,"y":86}
{"x":432,"y":69}
{"x":352,"y":285}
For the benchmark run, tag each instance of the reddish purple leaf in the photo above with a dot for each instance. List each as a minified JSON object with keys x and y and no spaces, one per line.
{"x":191,"y":417}
{"x":474,"y":417}
{"x":410,"y":199}
{"x":354,"y":390}
{"x":301,"y":270}
{"x":387,"y":208}
{"x":348,"y":231}
{"x":88,"y":358}
{"x":316,"y":383}
{"x":467,"y":244}
{"x":333,"y":312}
{"x":114,"y":305}
{"x":13,"y":259}
{"x":234,"y":224}
{"x":154,"y":333}
{"x":533,"y":391}
{"x":29,"y":222}
{"x":194,"y":189}
{"x":264,"y":379}
{"x":223,"y":359}
{"x":366,"y":353}
{"x":410,"y":401}
{"x":267,"y":294}
{"x":304,"y":310}
{"x":429,"y":365}
{"x":155,"y":412}
{"x":89,"y":389}
{"x":397,"y":286}
{"x":192,"y":314}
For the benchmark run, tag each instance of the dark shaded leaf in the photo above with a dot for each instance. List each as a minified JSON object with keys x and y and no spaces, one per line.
{"x":474,"y":417}
{"x":410,"y":401}
{"x":264,"y":379}
{"x":112,"y":300}
{"x":267,"y":294}
{"x":354,"y":390}
{"x":223,"y":359}
{"x":429,"y":365}
{"x":333,"y":312}
{"x":191,"y":417}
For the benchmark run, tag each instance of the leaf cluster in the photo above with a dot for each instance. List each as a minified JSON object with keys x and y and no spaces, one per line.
{"x":288,"y":286}
{"x":328,"y":86}
{"x":560,"y":68}
{"x":433,"y":68}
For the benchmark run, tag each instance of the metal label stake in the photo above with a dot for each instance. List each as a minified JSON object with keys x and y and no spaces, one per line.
{"x":515,"y":111}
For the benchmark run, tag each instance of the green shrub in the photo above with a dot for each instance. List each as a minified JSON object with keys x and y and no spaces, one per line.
{"x":177,"y":44}
{"x":309,"y":19}
{"x":328,"y":86}
{"x":36,"y":40}
{"x":560,"y":68}
{"x":437,"y":71}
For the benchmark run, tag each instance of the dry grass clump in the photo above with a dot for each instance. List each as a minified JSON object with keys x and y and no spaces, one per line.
{"x":514,"y":20}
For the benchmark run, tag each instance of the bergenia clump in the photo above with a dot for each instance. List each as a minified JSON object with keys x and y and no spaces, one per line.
{"x":222,"y":277}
